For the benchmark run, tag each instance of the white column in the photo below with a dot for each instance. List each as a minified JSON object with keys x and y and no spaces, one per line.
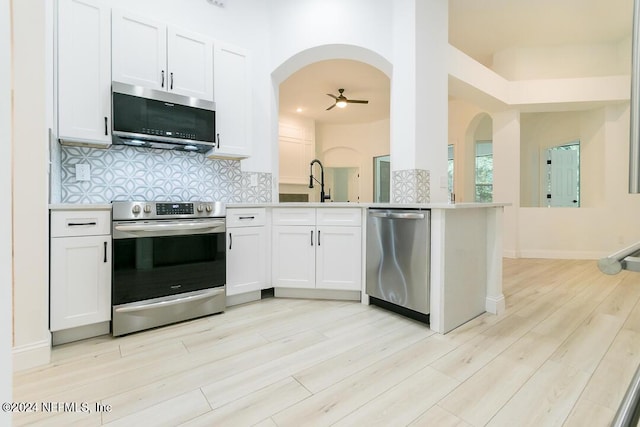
{"x":32,"y":339}
{"x":506,"y":174}
{"x":419,"y":101}
{"x":495,"y":302}
{"x":6,"y":268}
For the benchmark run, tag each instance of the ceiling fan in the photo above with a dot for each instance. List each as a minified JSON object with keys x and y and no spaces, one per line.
{"x":342,"y":101}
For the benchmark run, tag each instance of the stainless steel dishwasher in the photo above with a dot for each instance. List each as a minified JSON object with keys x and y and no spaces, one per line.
{"x":398,"y":259}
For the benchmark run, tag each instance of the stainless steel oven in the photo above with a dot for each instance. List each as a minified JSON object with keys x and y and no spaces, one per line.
{"x":168,"y":263}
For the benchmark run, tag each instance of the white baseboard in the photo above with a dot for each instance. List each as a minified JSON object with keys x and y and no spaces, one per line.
{"x":80,"y":333}
{"x":536,"y":253}
{"x":495,"y":305}
{"x":317,"y":294}
{"x":31,"y":355}
{"x":243,"y":298}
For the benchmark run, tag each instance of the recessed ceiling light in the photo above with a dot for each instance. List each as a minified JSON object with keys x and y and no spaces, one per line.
{"x":299,"y":110}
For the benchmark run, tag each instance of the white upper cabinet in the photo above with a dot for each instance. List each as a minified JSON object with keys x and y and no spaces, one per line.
{"x":190,"y":64}
{"x":232,"y":89}
{"x":151,"y":54}
{"x":139,"y":51}
{"x":84,"y":72}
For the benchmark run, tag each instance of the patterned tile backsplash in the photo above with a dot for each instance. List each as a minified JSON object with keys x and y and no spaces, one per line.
{"x":411,"y":186}
{"x":134,"y":173}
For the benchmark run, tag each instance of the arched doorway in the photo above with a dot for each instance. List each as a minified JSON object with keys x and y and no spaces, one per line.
{"x":306,"y":130}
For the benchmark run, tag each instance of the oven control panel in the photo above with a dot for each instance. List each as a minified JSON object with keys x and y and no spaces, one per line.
{"x":123,"y":211}
{"x":174,"y":208}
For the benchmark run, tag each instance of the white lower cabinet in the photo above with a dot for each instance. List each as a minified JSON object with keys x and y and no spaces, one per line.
{"x":321,"y":250}
{"x":339,"y":258}
{"x":80,"y":269}
{"x":247,"y":250}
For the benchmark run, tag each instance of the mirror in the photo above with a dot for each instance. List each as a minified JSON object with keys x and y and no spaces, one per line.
{"x":382,"y":179}
{"x":342,"y":184}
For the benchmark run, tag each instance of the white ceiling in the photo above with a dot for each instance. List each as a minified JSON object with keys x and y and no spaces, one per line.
{"x":308,"y":88}
{"x":477,"y":27}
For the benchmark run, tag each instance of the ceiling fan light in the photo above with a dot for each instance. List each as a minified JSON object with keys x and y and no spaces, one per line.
{"x":341,"y":104}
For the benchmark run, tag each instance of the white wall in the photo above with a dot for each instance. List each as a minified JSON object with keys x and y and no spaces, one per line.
{"x":6,"y":267}
{"x":354,"y":145}
{"x":566,"y":61}
{"x":541,"y":131}
{"x":299,"y":25}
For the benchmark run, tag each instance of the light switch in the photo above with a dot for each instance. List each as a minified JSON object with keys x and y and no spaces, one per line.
{"x":83,"y":172}
{"x":444,"y":182}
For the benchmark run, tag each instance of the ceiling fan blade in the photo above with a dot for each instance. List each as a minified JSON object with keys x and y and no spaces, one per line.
{"x":357,"y":101}
{"x":331,"y":107}
{"x":333,"y":96}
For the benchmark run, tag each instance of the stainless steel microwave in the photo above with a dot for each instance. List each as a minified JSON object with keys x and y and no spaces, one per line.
{"x":144,"y":117}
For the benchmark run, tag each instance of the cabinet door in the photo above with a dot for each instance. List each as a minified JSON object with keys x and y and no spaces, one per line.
{"x":246,"y":259}
{"x":339,"y":258}
{"x":139,"y":51}
{"x":80,"y":281}
{"x":293,"y":252}
{"x":295,"y":156}
{"x":190,"y":61}
{"x":232,"y":93}
{"x":84,"y":72}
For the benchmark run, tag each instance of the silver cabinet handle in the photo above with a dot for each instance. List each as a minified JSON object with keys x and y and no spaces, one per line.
{"x":318,"y":237}
{"x":171,"y":81}
{"x":162,"y":84}
{"x":230,"y":241}
{"x":311,"y":237}
{"x":105,"y":252}
{"x":169,"y":227}
{"x":397,"y":215}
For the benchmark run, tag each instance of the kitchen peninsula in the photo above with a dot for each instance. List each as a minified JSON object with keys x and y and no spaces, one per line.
{"x":465,"y":254}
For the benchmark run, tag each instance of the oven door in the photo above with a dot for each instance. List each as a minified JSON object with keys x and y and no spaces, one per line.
{"x":166,"y":271}
{"x":154,"y":259}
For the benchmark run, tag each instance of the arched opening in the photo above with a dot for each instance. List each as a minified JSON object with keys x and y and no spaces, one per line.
{"x":477,"y":162}
{"x":308,"y":127}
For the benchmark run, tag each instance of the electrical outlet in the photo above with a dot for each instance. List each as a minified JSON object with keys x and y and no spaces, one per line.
{"x":444,"y":182}
{"x":253,"y":180}
{"x":83,"y":172}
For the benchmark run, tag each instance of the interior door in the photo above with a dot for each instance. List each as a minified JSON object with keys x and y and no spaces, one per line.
{"x":564,"y":178}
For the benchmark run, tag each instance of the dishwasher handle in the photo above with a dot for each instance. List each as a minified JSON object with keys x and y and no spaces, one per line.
{"x":398,"y":215}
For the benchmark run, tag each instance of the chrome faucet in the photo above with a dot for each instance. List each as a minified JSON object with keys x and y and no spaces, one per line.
{"x":321,"y":182}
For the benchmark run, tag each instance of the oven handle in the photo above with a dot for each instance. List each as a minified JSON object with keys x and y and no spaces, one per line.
{"x":169,"y":302}
{"x":169,"y":227}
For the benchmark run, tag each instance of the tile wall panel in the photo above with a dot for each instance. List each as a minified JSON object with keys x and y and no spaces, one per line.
{"x":411,"y":186}
{"x":135,"y":173}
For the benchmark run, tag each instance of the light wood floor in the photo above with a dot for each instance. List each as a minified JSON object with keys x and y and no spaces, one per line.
{"x":562,"y":354}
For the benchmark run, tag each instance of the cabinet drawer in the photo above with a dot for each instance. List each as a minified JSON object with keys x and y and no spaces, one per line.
{"x":246,"y":217}
{"x":294,"y":216}
{"x":339,"y":216}
{"x":80,"y":223}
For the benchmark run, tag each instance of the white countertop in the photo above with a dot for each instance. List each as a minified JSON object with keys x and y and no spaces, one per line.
{"x":79,"y":206}
{"x":102,"y":206}
{"x":368,"y":205}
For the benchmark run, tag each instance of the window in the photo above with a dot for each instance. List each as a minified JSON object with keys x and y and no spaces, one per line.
{"x":484,"y":171}
{"x":450,"y":167}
